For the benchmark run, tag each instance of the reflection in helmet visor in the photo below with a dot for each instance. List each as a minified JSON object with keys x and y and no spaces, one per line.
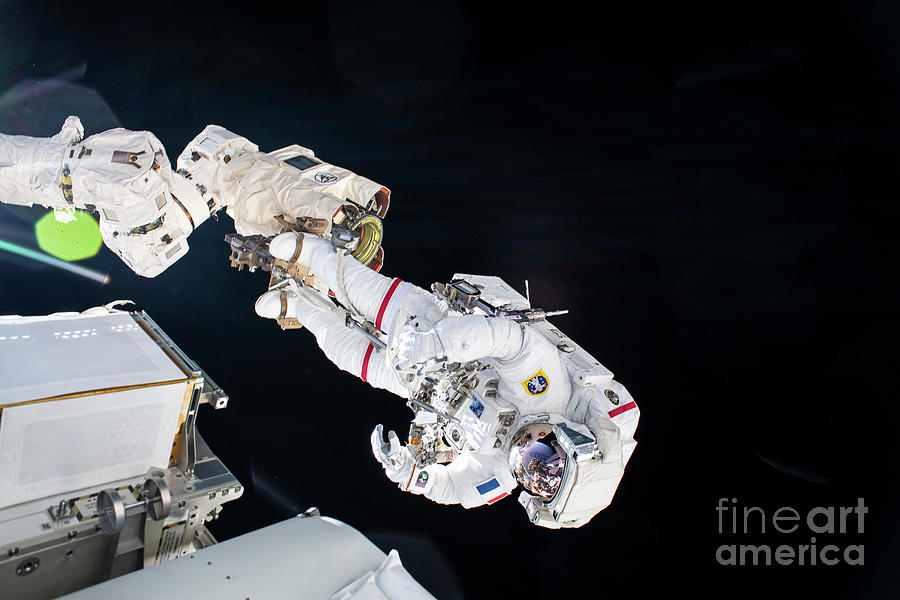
{"x":544,"y":467}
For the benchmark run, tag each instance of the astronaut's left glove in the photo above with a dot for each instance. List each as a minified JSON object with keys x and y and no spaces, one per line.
{"x":416,"y":347}
{"x":396,"y":460}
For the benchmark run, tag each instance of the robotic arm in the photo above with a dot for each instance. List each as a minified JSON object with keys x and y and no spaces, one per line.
{"x":147,"y":211}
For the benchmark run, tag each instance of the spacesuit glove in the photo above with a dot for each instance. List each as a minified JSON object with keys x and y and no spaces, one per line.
{"x":396,"y":460}
{"x":414,"y":347}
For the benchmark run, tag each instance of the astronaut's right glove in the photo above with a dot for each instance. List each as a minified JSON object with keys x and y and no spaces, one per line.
{"x":417,"y":347}
{"x":396,"y":460}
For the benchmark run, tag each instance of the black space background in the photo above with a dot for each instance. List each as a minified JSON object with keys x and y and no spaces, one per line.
{"x":710,"y":189}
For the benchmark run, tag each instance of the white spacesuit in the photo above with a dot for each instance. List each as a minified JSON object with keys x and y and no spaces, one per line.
{"x":147,"y":211}
{"x":526,"y":387}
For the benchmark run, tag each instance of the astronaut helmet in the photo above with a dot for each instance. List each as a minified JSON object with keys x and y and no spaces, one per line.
{"x":536,"y":460}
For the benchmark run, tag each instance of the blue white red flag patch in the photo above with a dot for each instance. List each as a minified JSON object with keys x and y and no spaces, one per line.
{"x":537,"y":384}
{"x":490,"y":490}
{"x":477,"y":407}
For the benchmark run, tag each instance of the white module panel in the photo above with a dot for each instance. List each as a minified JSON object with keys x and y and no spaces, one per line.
{"x":44,"y":357}
{"x":51,"y":447}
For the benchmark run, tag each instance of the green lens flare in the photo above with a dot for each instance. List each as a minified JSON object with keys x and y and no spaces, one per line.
{"x":76,"y":240}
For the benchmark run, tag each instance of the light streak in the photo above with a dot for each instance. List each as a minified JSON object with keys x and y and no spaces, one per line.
{"x":54,"y":262}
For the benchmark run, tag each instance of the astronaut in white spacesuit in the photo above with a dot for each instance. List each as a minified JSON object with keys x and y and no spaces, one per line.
{"x":147,"y":211}
{"x":527,"y":387}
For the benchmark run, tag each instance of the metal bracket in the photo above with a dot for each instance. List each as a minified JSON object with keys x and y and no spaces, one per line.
{"x":187,"y":458}
{"x":211,"y":394}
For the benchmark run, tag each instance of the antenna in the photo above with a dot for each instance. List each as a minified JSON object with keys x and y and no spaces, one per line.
{"x":527,"y":294}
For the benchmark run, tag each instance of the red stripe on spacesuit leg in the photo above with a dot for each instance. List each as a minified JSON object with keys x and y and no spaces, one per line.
{"x":365,"y":366}
{"x":621,"y":409}
{"x":386,"y":301}
{"x":500,"y":497}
